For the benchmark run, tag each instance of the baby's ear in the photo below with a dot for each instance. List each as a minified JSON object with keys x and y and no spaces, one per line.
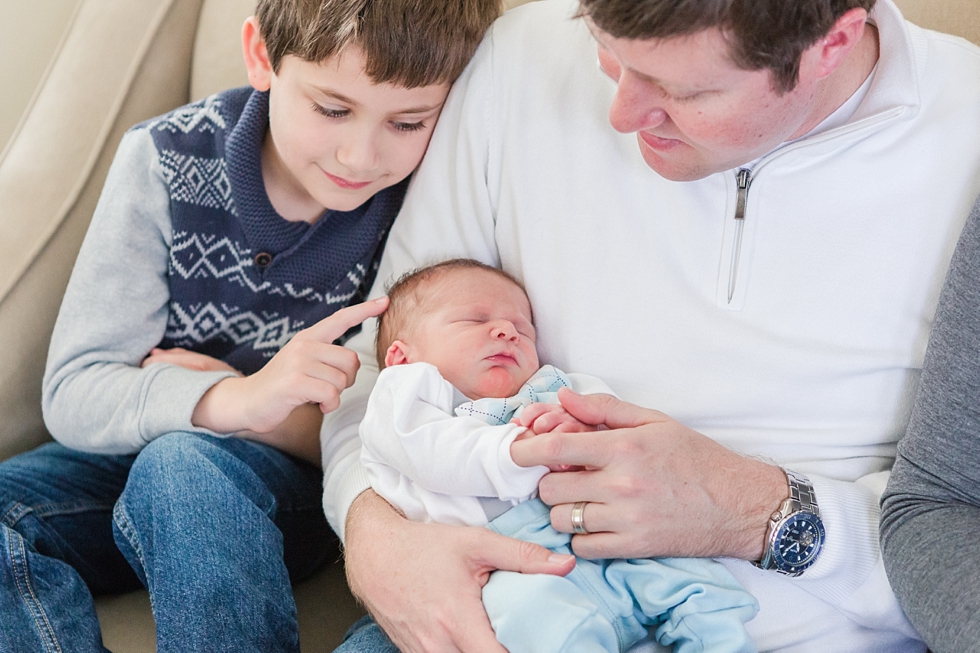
{"x":397,"y":354}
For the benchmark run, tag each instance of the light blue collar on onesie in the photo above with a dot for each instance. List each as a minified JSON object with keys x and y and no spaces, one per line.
{"x":541,"y":388}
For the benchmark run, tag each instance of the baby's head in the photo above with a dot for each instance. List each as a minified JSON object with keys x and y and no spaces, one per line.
{"x":471,"y":321}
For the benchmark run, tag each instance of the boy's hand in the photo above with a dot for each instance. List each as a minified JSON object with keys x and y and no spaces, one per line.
{"x":309,"y":369}
{"x":188,"y":359}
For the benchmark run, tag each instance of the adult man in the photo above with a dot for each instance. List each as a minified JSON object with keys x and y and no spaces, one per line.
{"x":770,"y":289}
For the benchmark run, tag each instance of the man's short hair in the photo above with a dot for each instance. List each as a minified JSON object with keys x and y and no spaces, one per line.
{"x":407,"y":295}
{"x":411,"y":43}
{"x":763,"y":34}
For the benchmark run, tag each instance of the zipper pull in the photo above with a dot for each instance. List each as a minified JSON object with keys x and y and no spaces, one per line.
{"x":743,"y":179}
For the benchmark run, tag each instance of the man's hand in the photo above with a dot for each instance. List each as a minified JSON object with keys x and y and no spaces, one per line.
{"x":190,"y":360}
{"x":654,"y":487}
{"x":309,"y":369}
{"x":545,"y":418}
{"x":423,"y":582}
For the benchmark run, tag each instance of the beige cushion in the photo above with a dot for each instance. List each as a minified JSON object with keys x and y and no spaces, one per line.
{"x":116,"y":62}
{"x":960,"y":17}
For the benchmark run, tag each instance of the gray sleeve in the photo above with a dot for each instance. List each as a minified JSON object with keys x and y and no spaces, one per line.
{"x":930,"y":528}
{"x":95,"y":396}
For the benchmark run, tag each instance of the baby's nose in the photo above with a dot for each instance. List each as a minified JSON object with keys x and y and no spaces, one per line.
{"x":505,"y":330}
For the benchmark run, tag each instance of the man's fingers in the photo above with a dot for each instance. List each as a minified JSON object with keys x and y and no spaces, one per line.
{"x":555,"y":448}
{"x":570,"y":486}
{"x":506,"y":553}
{"x":330,"y":328}
{"x":601,"y":545}
{"x":595,"y":517}
{"x":599,"y":409}
{"x":479,"y":636}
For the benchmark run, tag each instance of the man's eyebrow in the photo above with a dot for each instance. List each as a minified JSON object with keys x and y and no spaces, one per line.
{"x":346,"y":100}
{"x":592,"y":30}
{"x":642,"y":75}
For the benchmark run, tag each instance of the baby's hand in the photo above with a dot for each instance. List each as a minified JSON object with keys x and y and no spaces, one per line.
{"x":545,"y":418}
{"x":190,"y":360}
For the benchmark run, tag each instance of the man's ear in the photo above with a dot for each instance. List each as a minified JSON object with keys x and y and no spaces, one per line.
{"x":397,"y":354}
{"x":256,"y":55}
{"x":837,"y":43}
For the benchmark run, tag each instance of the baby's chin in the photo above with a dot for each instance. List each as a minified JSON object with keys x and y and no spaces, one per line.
{"x":495,"y":382}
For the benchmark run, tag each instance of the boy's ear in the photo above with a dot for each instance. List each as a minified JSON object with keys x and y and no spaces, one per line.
{"x":397,"y":354}
{"x":256,"y":56}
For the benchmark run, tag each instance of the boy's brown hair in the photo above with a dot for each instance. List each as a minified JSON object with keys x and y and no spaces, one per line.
{"x":762,"y":34}
{"x":411,"y":43}
{"x":406,"y":299}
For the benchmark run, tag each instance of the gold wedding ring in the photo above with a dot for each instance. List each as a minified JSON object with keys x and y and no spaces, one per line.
{"x":578,"y":518}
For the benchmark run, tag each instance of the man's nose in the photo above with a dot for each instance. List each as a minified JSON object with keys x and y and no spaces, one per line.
{"x":635,"y":106}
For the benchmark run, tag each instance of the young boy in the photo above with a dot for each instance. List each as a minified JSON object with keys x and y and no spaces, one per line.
{"x":460,"y":383}
{"x":204,"y":304}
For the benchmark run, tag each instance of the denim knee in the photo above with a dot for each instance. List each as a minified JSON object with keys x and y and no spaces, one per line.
{"x":193,"y":467}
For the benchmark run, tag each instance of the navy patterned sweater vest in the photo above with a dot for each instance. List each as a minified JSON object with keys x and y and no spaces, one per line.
{"x":243,"y":280}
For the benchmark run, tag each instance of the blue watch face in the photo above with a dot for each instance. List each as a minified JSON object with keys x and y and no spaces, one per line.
{"x":798,"y":542}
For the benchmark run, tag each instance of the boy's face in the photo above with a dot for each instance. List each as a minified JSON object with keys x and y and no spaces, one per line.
{"x":476,"y":328}
{"x":335,"y":137}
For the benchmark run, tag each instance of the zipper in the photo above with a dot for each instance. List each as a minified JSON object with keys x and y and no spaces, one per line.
{"x":743,"y":179}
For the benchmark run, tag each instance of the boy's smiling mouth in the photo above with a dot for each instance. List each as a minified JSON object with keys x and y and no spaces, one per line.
{"x":346,"y":183}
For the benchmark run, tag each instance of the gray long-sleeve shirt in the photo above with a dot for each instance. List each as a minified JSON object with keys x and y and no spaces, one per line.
{"x":930,"y":523}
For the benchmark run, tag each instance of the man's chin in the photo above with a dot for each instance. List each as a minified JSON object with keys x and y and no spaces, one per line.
{"x":673,"y":170}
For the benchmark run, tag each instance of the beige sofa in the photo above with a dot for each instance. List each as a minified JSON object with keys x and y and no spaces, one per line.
{"x":76,"y":75}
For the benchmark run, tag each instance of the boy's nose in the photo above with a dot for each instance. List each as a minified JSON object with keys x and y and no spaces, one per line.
{"x":358,"y":153}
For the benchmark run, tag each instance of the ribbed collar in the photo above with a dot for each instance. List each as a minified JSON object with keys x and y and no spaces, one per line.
{"x":265,"y":229}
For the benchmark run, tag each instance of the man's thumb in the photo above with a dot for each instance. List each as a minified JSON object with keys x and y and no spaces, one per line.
{"x":525,"y":557}
{"x":602,"y":409}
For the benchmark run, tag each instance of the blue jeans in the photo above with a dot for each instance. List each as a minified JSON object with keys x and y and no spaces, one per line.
{"x":366,"y":636}
{"x":215,"y":528}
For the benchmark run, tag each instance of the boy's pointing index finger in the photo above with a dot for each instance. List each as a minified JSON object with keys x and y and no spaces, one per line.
{"x":330,"y":328}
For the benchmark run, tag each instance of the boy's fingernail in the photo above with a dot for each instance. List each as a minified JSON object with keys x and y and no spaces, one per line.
{"x":560,"y":558}
{"x":381,"y":300}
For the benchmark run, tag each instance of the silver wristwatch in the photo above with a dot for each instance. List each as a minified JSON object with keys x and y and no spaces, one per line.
{"x":796,"y":533}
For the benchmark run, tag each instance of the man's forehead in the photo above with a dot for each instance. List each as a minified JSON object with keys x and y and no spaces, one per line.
{"x":701,"y":58}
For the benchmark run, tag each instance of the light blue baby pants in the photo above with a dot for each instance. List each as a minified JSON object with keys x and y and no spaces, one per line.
{"x":695,"y":604}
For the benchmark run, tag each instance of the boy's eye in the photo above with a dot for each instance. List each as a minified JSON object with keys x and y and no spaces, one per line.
{"x":330,"y":113}
{"x":408,"y":126}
